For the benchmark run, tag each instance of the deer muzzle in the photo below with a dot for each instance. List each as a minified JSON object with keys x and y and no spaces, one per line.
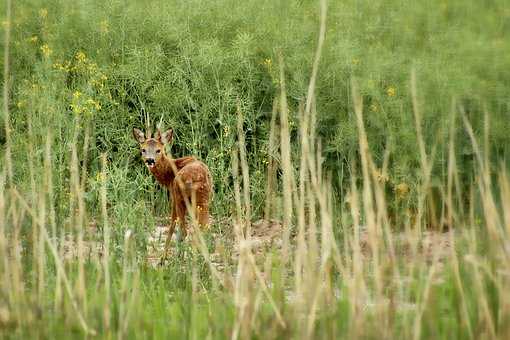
{"x":150,"y":162}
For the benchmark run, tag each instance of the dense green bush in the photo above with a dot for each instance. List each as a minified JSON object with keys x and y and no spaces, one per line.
{"x":105,"y":65}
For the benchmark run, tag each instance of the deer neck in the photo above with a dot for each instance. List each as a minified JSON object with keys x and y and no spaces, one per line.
{"x":163,"y":171}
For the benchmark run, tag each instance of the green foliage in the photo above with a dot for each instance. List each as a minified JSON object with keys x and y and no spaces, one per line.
{"x":189,"y":65}
{"x":84,"y":73}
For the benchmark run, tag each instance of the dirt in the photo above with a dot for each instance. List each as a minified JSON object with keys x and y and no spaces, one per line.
{"x":409,"y":245}
{"x":265,"y":236}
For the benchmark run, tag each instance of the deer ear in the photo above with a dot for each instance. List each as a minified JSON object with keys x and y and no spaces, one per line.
{"x":167,"y":136}
{"x":139,"y":135}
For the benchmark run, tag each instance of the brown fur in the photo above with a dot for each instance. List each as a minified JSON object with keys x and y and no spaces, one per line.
{"x":187,"y":179}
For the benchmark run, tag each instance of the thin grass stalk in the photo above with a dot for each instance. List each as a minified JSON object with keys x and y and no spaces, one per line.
{"x":478,"y":286}
{"x":271,"y":164}
{"x":7,"y":81}
{"x":18,"y":297}
{"x":35,"y":201}
{"x":504,"y":314}
{"x":417,"y":121}
{"x":58,"y":303}
{"x":301,"y":252}
{"x":5,"y":280}
{"x":355,"y":282}
{"x":504,"y":184}
{"x":303,"y":261}
{"x":48,"y":168}
{"x":312,"y":214}
{"x":77,"y":218}
{"x":106,"y":246}
{"x":379,"y":179}
{"x":486,"y":145}
{"x":257,"y":303}
{"x":239,"y":237}
{"x":386,"y":309}
{"x":286,"y":165}
{"x":84,"y":157}
{"x":452,"y":165}
{"x":374,"y":232}
{"x":41,"y":256}
{"x":245,"y":173}
{"x":452,"y":170}
{"x":246,"y":297}
{"x":237,"y":194}
{"x":317,"y":58}
{"x":326,"y":250}
{"x":129,"y":286}
{"x":426,"y":163}
{"x":124,"y":293}
{"x":242,"y":296}
{"x":49,"y":186}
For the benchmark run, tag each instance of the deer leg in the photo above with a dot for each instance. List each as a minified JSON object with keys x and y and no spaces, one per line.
{"x":171,"y":228}
{"x":202,"y":213}
{"x":181,"y":216}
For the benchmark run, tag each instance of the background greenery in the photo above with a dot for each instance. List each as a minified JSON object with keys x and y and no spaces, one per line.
{"x":99,"y":68}
{"x":107,"y":64}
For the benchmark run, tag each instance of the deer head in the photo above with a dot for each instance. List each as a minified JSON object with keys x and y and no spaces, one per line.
{"x":152,"y":149}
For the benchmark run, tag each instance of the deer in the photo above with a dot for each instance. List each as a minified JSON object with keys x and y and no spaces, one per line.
{"x":187,"y":179}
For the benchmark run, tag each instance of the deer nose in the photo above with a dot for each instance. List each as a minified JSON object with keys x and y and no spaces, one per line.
{"x":150,"y":161}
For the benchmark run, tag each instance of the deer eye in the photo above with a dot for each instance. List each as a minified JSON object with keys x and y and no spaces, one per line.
{"x":158,"y":151}
{"x":143,"y":150}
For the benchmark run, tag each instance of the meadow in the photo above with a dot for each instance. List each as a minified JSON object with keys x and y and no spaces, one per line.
{"x":359,"y":151}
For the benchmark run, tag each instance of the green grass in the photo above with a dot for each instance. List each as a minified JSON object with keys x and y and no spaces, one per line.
{"x":82,"y":74}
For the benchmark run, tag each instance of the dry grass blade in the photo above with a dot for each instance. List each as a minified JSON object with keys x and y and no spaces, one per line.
{"x":271,"y":164}
{"x":317,"y":58}
{"x":244,"y":171}
{"x":106,"y":245}
{"x":7,"y":81}
{"x":286,"y":165}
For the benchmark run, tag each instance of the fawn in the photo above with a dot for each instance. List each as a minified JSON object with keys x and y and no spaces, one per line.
{"x":188,"y":180}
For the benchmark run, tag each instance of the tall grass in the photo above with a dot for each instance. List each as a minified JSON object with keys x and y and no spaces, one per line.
{"x":359,"y":257}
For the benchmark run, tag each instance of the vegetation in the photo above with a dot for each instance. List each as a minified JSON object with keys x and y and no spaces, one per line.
{"x":359,"y":154}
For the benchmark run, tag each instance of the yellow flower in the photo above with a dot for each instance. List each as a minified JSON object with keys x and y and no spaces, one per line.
{"x":381,"y":178}
{"x":76,"y":108}
{"x":100,"y":177}
{"x":46,"y":50}
{"x":355,"y":61}
{"x":20,"y":104}
{"x":76,"y":94}
{"x":226,"y":130}
{"x":43,"y":13}
{"x":93,"y":103}
{"x":267,"y":62}
{"x":402,"y":190}
{"x":34,"y":39}
{"x":390,"y":91}
{"x":374,"y":107}
{"x":81,"y":57}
